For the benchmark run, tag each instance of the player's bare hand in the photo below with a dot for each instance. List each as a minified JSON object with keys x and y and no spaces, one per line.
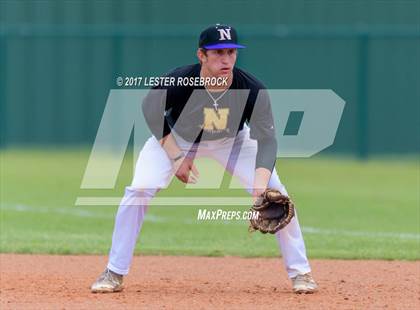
{"x":257,"y":193}
{"x":185,"y":170}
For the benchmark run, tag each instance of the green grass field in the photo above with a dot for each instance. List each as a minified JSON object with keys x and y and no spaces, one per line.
{"x":347,"y":209}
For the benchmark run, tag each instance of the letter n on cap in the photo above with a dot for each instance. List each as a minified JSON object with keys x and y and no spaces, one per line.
{"x":224,"y":34}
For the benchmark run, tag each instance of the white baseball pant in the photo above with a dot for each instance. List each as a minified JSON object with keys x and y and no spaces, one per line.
{"x":154,"y":171}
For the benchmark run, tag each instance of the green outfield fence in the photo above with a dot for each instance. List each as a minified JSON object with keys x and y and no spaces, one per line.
{"x":58,"y":60}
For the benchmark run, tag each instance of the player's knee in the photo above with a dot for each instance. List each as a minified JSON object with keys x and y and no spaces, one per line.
{"x":148,"y":184}
{"x":141,"y":191}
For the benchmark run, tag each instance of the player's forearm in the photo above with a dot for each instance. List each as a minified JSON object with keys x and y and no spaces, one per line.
{"x":170,"y":146}
{"x":261,"y":179}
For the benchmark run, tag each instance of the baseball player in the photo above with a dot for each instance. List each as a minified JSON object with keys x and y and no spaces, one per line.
{"x":230,"y":122}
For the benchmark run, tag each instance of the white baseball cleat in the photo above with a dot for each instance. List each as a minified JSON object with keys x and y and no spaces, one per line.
{"x":304,"y":284}
{"x":108,"y":282}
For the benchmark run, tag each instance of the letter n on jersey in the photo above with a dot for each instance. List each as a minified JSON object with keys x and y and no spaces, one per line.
{"x":215,"y":120}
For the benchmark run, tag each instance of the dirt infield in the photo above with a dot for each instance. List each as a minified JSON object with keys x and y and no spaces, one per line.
{"x":62,"y":282}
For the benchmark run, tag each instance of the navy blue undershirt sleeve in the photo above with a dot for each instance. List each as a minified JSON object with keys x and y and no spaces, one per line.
{"x":266,"y":153}
{"x":262,"y":127}
{"x":154,"y":106}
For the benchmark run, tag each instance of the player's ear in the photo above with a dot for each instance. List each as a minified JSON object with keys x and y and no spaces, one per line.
{"x":201,"y":55}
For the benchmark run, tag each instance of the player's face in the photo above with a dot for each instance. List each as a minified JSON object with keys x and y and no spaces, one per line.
{"x":219,"y":62}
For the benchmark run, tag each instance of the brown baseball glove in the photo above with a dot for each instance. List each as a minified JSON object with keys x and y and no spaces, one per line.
{"x":275,"y":212}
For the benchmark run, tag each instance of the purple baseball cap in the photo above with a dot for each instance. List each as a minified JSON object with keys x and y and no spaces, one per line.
{"x":219,"y":37}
